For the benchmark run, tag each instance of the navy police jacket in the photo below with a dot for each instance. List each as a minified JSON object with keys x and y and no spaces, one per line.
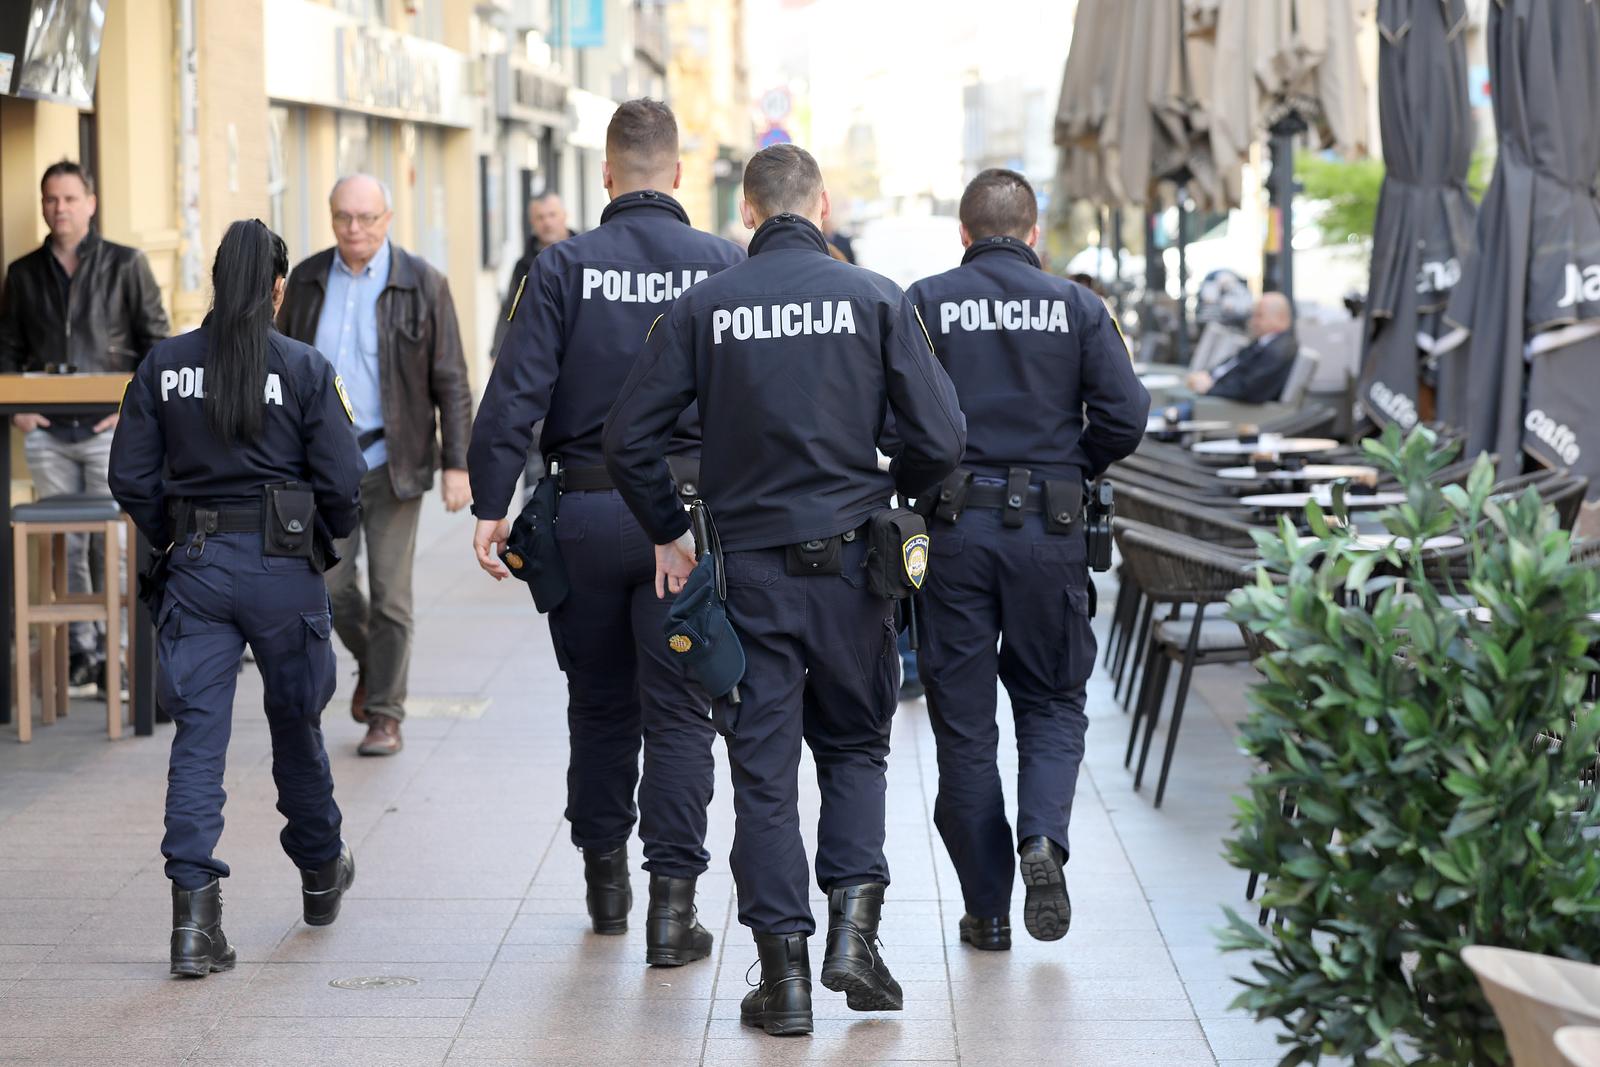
{"x":165,"y":450}
{"x":1042,"y":371}
{"x":795,"y":360}
{"x":584,"y":310}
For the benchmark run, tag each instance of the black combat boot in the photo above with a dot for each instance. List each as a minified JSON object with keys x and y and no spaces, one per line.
{"x":989,"y":935}
{"x":781,"y":1004}
{"x":322,"y":890}
{"x":198,"y":944}
{"x":673,"y":935}
{"x":1047,"y":912}
{"x":853,"y":965}
{"x":609,"y":896}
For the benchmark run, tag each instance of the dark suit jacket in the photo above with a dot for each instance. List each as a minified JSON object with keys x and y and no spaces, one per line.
{"x":1258,"y":372}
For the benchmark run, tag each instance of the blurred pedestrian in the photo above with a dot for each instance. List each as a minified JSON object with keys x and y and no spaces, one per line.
{"x":547,"y":219}
{"x":588,"y":305}
{"x":234,"y":446}
{"x":83,"y":303}
{"x":794,"y":360}
{"x":1257,"y":373}
{"x":385,"y":319}
{"x":1051,"y":400}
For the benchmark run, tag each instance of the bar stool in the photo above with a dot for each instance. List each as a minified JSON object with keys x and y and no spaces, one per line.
{"x":53,"y":518}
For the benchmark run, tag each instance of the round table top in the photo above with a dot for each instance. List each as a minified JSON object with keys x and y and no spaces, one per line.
{"x":1157,"y":424}
{"x":1311,"y":472}
{"x":1323,"y":497}
{"x":1268,"y":443}
{"x":1377,"y":542}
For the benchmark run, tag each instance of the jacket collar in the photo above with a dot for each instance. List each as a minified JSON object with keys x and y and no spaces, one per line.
{"x":788,"y":230}
{"x":86,"y":247}
{"x":644,"y":198}
{"x":402,"y":268}
{"x":1001,"y":243}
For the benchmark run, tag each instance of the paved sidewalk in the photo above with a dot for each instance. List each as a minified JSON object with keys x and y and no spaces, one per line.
{"x":469,"y":896}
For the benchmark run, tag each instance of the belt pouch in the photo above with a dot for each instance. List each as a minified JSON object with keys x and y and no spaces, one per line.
{"x":1017,"y":479}
{"x":897,"y":553}
{"x":814,"y":557}
{"x":953,"y":495}
{"x":1063,"y":503}
{"x":288,"y":521}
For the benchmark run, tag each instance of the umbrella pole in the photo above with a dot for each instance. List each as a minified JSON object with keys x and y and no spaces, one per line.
{"x":1281,"y":188}
{"x":1116,"y":256}
{"x":1183,"y":274}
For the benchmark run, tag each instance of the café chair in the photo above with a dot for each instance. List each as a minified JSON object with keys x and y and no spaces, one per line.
{"x":50,"y":521}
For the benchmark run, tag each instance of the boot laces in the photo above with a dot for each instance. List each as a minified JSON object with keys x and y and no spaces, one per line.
{"x":747,"y":970}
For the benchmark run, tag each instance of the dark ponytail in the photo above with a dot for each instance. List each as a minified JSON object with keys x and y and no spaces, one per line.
{"x":249,"y":262}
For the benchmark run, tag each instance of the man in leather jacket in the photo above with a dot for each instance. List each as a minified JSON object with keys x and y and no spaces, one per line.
{"x":82,"y":302}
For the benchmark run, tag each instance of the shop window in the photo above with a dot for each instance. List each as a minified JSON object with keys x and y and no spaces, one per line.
{"x":355,"y":144}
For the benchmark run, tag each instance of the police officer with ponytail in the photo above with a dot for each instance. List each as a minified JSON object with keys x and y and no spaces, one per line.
{"x":236,"y":457}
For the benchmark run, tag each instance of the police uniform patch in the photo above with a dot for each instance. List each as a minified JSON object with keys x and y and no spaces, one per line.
{"x":679,"y":643}
{"x":915,"y":554}
{"x":517,"y":299}
{"x":513,"y":561}
{"x":344,"y":397}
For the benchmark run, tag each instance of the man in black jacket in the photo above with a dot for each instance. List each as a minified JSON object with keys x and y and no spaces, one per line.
{"x":585,"y":309}
{"x":1257,"y":373}
{"x":80,"y":301}
{"x":795,"y":360}
{"x":1051,"y":400}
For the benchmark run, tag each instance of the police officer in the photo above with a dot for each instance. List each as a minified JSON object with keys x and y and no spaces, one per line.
{"x":583,"y":313}
{"x":795,"y":360}
{"x":234,"y":448}
{"x":1051,"y":399}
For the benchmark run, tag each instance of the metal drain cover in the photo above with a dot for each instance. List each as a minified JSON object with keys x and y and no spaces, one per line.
{"x":377,"y":981}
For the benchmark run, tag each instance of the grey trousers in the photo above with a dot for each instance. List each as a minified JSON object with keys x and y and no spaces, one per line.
{"x":376,"y":628}
{"x":58,"y":467}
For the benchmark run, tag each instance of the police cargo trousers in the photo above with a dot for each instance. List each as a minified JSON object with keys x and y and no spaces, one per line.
{"x":1025,"y":591}
{"x":821,"y":666}
{"x":624,"y":686}
{"x":376,"y":626}
{"x":223,"y":595}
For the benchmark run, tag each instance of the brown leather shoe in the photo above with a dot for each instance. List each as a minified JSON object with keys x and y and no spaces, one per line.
{"x":358,"y":699}
{"x":383,"y":737}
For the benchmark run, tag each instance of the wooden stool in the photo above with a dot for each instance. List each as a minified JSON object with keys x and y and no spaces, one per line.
{"x":54,"y":518}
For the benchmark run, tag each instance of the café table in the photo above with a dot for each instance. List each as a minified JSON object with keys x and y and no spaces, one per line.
{"x":68,"y":394}
{"x":1267,"y":443}
{"x":1311,"y":472}
{"x":1296,"y":500}
{"x":1157,"y":424}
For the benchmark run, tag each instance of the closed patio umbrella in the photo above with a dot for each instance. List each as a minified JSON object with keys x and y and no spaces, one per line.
{"x":1528,"y":305}
{"x":1425,"y":212}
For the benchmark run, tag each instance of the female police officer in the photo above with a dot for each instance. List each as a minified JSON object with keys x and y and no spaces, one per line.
{"x":234,"y":445}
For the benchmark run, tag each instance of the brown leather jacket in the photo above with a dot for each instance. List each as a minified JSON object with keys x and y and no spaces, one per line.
{"x":421,"y":369}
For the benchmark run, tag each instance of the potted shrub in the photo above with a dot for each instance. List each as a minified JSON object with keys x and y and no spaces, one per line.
{"x":1422,"y":769}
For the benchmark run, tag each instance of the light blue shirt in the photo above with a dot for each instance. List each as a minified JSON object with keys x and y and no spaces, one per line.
{"x":347,"y":333}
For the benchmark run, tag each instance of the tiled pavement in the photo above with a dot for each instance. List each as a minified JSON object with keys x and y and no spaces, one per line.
{"x":469,"y":888}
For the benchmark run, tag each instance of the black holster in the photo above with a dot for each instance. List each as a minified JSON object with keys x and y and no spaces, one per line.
{"x":897,"y":553}
{"x":952,"y":496}
{"x":532,"y":553}
{"x":1063,"y":503}
{"x":1097,"y":522}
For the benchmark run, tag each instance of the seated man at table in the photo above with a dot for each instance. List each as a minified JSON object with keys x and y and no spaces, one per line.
{"x":1256,"y":374}
{"x":94,"y":306}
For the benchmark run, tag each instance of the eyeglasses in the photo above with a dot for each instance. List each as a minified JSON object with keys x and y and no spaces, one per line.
{"x":343,"y":219}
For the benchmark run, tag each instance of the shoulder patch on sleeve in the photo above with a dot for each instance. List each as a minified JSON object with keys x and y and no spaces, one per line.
{"x":523,"y":284}
{"x":1115,"y":325}
{"x":652,"y":329}
{"x":918,"y":313}
{"x":344,"y":398}
{"x":124,"y":401}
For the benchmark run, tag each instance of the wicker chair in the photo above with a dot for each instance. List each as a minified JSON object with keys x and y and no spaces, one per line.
{"x":1179,"y":571}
